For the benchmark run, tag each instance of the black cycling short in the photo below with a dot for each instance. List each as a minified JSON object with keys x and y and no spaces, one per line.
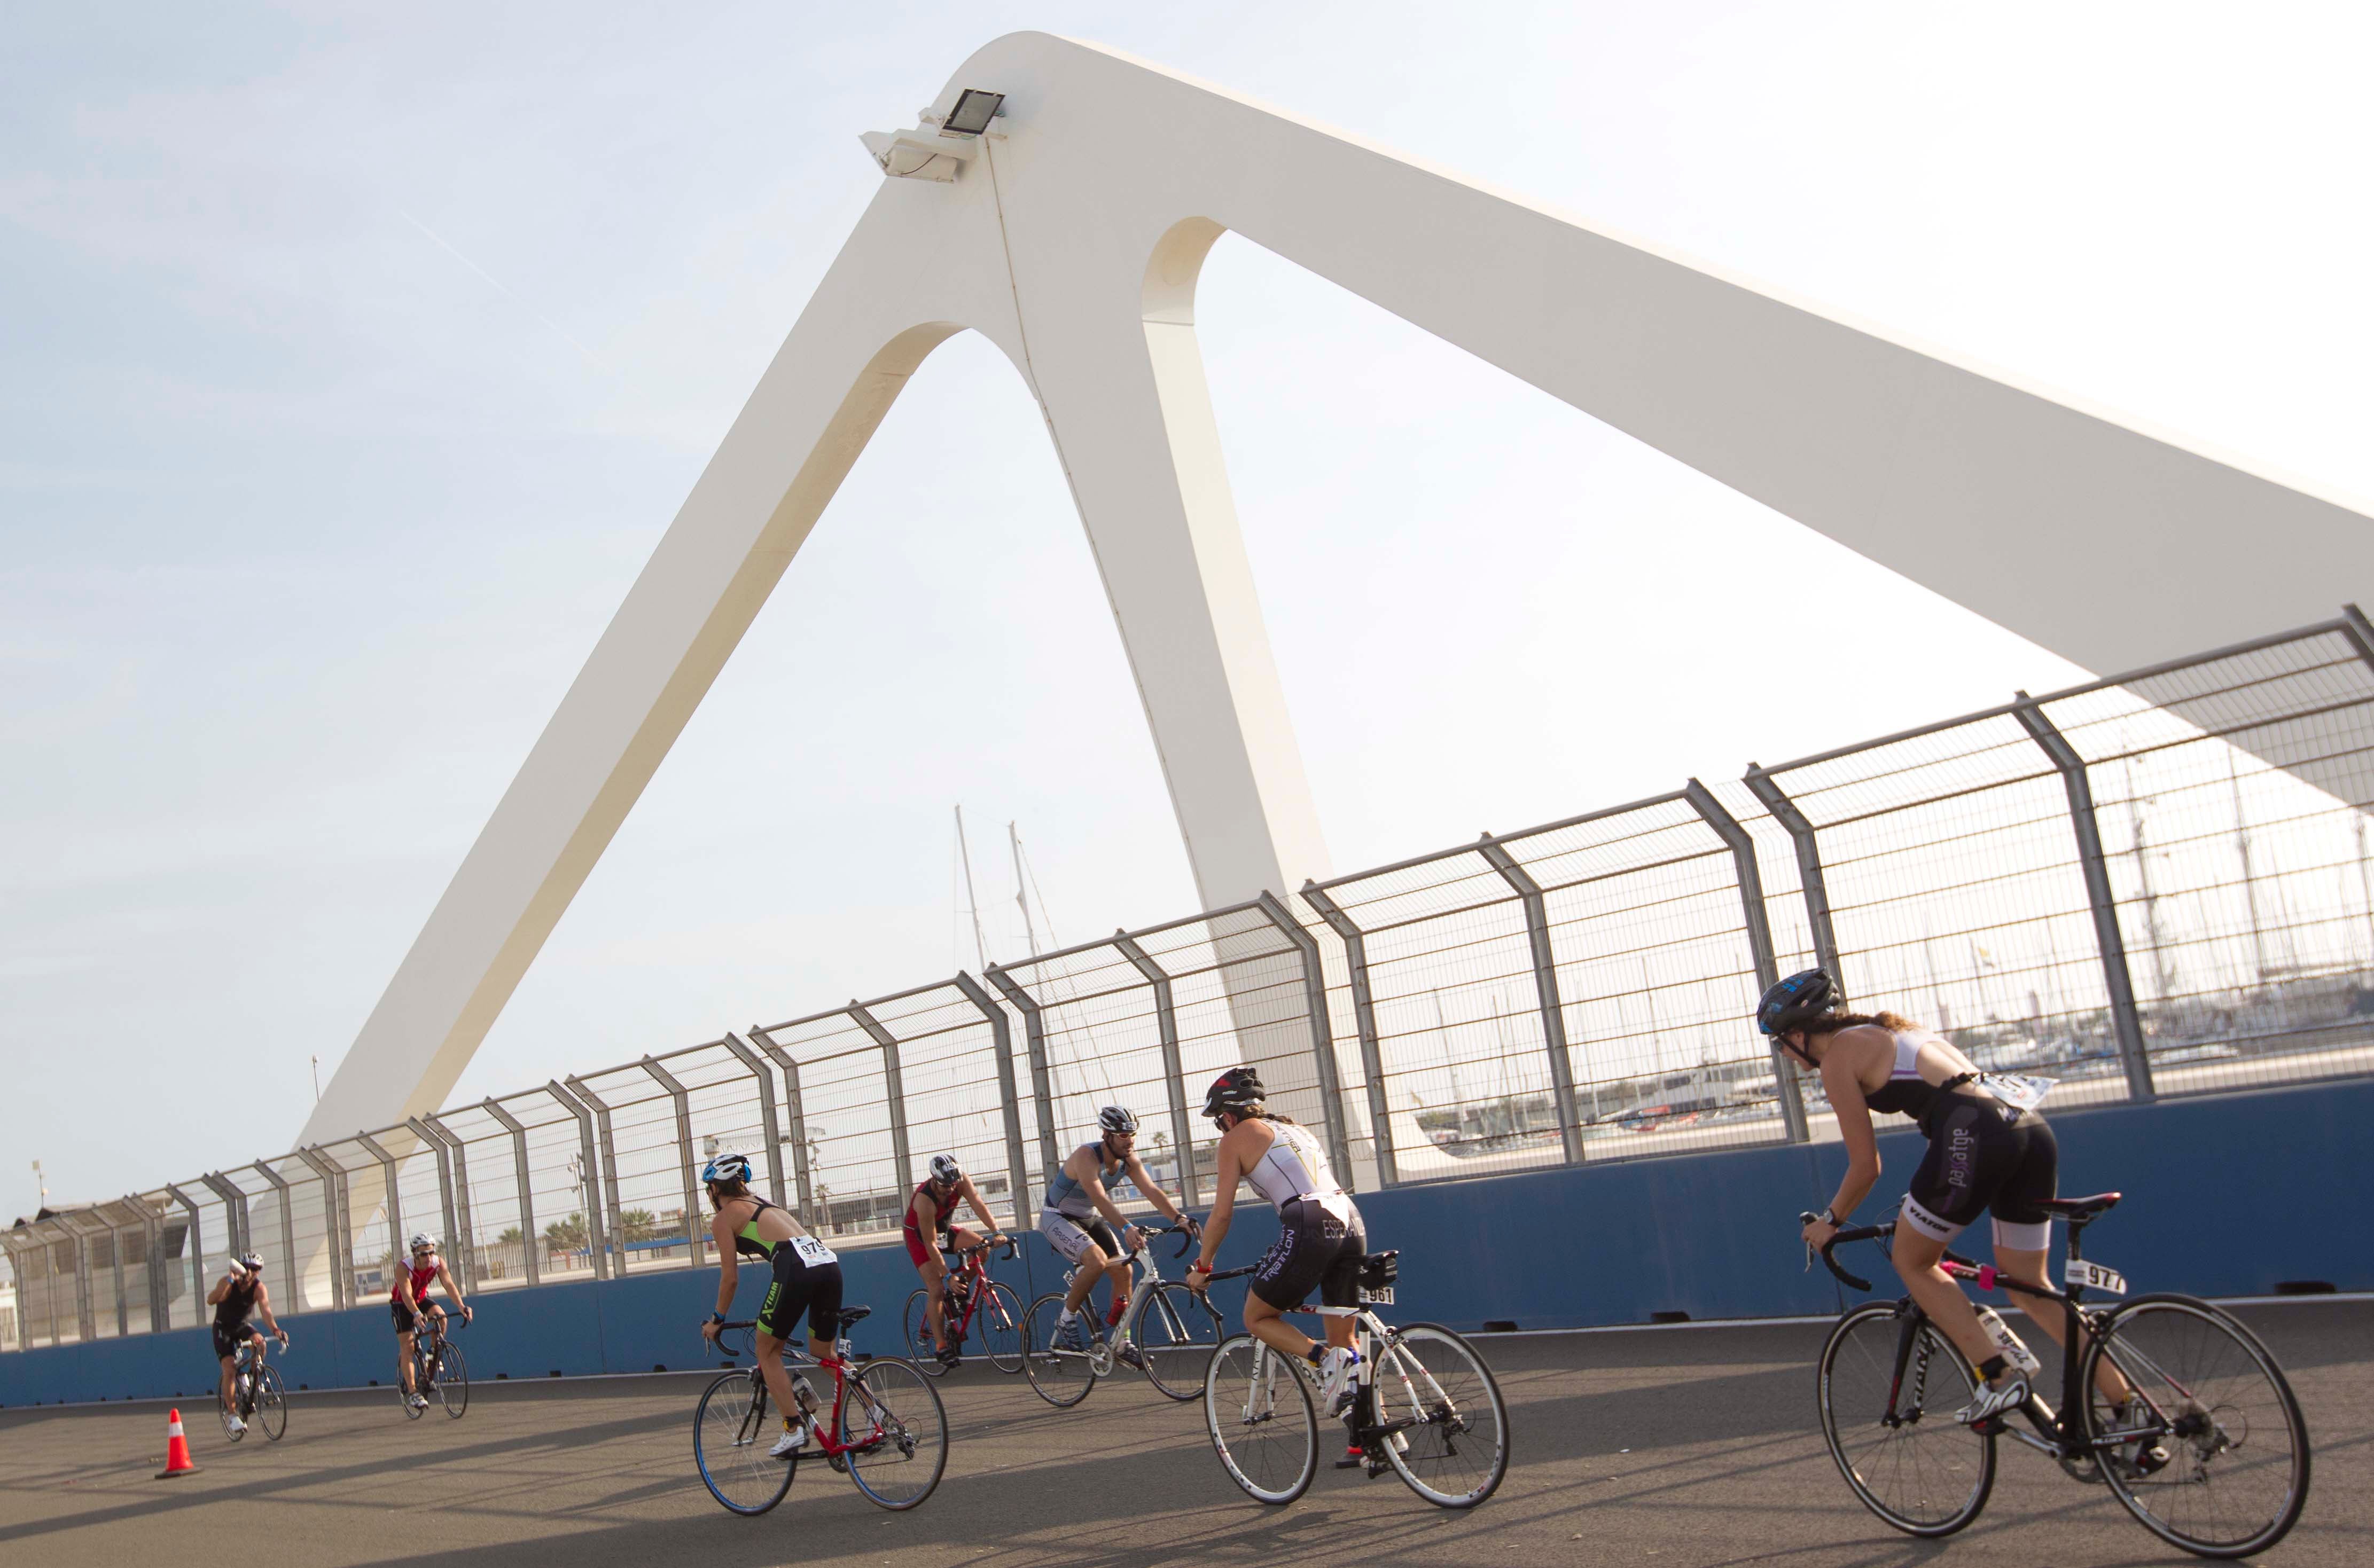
{"x":1314,"y":1251}
{"x":404,"y":1320}
{"x":1980,"y":1161}
{"x":228,"y":1340}
{"x":801,"y":1286}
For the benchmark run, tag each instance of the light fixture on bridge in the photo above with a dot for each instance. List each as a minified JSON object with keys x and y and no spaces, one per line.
{"x":975,"y":109}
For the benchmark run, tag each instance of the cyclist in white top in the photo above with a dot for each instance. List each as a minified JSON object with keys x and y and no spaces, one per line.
{"x":1320,"y":1243}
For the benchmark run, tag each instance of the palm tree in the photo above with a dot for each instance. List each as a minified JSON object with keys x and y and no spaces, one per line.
{"x":639,"y":1224}
{"x":565,"y":1235}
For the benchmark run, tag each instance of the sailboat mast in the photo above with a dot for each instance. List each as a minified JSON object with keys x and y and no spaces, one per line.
{"x":1021,"y":896}
{"x":964,"y":852}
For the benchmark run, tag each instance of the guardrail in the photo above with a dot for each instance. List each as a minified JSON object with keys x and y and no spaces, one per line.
{"x":2152,"y":886}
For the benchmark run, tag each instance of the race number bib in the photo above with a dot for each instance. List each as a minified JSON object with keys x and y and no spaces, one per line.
{"x":813,"y":1252}
{"x":2093,"y":1277}
{"x":2016,"y":1093}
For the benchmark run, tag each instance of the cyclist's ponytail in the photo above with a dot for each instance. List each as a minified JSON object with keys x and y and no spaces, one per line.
{"x":1830,"y":1024}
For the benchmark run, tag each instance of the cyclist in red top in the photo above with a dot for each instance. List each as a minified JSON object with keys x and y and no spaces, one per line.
{"x":931,"y":1214}
{"x":410,"y":1307}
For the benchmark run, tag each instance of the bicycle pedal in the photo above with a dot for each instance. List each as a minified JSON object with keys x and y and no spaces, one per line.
{"x":1351,"y":1461}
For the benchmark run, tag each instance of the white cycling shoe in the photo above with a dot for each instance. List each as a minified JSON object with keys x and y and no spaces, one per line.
{"x":416,"y":1402}
{"x":1337,"y":1369}
{"x":790,"y":1443}
{"x":1994,"y":1399}
{"x":235,"y":1424}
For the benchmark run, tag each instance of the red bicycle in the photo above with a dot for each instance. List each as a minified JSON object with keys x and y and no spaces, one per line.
{"x":972,"y":1297}
{"x":886,"y":1428}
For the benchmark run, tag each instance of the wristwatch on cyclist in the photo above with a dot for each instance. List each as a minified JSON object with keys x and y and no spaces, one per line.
{"x":715,"y":1317}
{"x":1827,"y":1217}
{"x":1199,"y":1266}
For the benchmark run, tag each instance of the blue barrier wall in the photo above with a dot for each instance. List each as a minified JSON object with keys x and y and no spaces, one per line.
{"x":2226,"y":1196}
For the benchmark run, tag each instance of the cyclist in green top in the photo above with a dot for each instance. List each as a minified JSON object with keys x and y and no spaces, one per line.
{"x":806,"y":1278}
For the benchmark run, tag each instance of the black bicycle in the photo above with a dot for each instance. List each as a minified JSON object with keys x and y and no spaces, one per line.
{"x":2187,"y":1419}
{"x":262,"y":1398}
{"x":437,"y":1368}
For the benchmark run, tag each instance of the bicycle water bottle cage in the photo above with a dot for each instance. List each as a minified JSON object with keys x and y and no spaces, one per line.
{"x":1379,"y":1269}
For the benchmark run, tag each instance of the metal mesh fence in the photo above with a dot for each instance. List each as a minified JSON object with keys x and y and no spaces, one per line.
{"x":2155,"y":884}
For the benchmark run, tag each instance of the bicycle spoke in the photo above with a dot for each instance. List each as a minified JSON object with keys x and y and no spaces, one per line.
{"x":1061,"y":1377}
{"x":1176,"y":1334}
{"x":731,"y":1434}
{"x":1895,"y":1438}
{"x":896,"y":1433}
{"x":1258,"y":1412}
{"x":1448,"y":1429}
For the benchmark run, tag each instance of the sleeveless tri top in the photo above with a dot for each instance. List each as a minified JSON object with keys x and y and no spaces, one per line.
{"x":1293,"y":1167}
{"x":1905,"y":1092}
{"x":1068,"y":1198}
{"x":746,"y":1241}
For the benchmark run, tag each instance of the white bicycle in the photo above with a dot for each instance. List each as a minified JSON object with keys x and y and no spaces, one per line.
{"x":1167,"y":1332}
{"x":1425,"y":1406}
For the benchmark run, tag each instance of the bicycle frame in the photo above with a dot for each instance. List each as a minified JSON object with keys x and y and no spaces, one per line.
{"x":974,"y":1271}
{"x":2061,"y":1436}
{"x":1367,"y":1331}
{"x":798,"y":1364}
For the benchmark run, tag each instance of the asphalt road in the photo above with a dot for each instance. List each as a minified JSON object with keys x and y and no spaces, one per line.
{"x":1672,"y":1446}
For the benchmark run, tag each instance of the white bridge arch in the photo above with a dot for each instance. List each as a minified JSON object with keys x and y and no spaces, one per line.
{"x":1071,"y":236}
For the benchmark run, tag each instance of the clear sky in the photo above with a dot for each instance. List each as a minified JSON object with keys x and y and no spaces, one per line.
{"x":350,"y":366}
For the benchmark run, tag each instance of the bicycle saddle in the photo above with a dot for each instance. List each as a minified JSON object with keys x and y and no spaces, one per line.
{"x":2079,"y":1208}
{"x":850,"y":1315}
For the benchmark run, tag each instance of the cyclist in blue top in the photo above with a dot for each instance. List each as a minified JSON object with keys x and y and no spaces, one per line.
{"x":1080,"y":1219}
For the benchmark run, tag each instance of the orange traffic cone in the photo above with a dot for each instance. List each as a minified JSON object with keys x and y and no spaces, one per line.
{"x":177,"y":1450}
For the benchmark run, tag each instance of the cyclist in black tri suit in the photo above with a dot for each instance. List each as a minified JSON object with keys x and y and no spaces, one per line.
{"x":807,"y":1279}
{"x":1989,"y":1151}
{"x":239,"y":1293}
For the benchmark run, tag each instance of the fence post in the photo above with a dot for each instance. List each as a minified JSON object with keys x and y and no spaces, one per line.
{"x":1042,"y":1094}
{"x":2359,"y":630}
{"x":24,"y":1294}
{"x":614,"y":1232}
{"x":597,"y":1251}
{"x":1809,"y":870}
{"x":79,"y":1248}
{"x":2125,"y":1024}
{"x":336,"y":1231}
{"x":397,"y":1244}
{"x":1323,"y":1038}
{"x":528,"y":1260}
{"x":1364,"y":1020}
{"x":1537,"y":936}
{"x":234,"y":1208}
{"x":152,"y":1236}
{"x":194,"y":1243}
{"x":421,"y":1130}
{"x":803,"y":1180}
{"x":1017,"y":1165}
{"x":1166,"y":1022}
{"x":1726,"y":827}
{"x":687,"y":1165}
{"x":280,"y":1185}
{"x":902,"y":1156}
{"x":767,"y":1121}
{"x":465,"y":1240}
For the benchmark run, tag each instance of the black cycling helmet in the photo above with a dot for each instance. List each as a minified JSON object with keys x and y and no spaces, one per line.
{"x":1234,"y":1090}
{"x":1116,"y":1118}
{"x":1796,"y":1001}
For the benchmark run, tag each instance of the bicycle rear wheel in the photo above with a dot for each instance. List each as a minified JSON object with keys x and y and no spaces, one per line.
{"x":1258,"y":1410}
{"x":452,"y":1381}
{"x":1176,"y":1332}
{"x":1062,"y":1378}
{"x":1455,"y":1450}
{"x":271,"y":1404}
{"x":917,"y":1323}
{"x":899,"y":1433}
{"x":999,"y":1323}
{"x":1889,"y":1386}
{"x":731,"y":1436}
{"x":2218,"y":1464}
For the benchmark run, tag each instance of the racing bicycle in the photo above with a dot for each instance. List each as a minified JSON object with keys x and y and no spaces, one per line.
{"x":885,"y":1428}
{"x":1166,"y":1331}
{"x":1424,"y":1405}
{"x":262,"y":1399}
{"x":433,"y":1353}
{"x":2186,"y":1416}
{"x":972,"y":1296}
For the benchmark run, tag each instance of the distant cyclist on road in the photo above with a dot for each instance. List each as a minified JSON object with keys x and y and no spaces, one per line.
{"x":1080,"y":1219}
{"x":1990,"y":1151}
{"x":807,"y":1279}
{"x":931,"y":1229}
{"x":239,"y":1293}
{"x":410,"y":1307}
{"x":1320,"y":1242}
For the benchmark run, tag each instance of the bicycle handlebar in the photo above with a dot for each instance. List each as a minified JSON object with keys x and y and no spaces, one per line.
{"x":1960,"y":1267}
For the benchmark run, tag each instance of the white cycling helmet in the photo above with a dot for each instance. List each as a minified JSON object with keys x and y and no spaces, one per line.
{"x":1115,"y":1118}
{"x":946,"y":1170}
{"x":422,"y":1242}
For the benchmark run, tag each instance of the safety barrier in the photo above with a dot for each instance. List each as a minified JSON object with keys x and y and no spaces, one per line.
{"x":2153,"y":886}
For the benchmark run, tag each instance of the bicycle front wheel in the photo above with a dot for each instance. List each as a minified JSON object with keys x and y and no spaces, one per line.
{"x":2211,"y":1454}
{"x":1258,"y":1410}
{"x":419,"y":1380}
{"x":917,"y":1321}
{"x":452,"y":1382}
{"x":999,"y":1323}
{"x":1889,"y":1385}
{"x":1446,"y":1430}
{"x":1176,"y":1332}
{"x":731,"y":1436}
{"x":271,"y":1404}
{"x":233,"y":1433}
{"x":897,"y":1434}
{"x":1063,"y":1378}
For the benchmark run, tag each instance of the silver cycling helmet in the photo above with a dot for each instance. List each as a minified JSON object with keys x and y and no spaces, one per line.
{"x":1116,"y":1118}
{"x":422,"y":1242}
{"x":946,"y":1171}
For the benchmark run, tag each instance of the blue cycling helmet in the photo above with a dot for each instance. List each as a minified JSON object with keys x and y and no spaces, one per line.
{"x":1796,"y":1001}
{"x":727,"y":1167}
